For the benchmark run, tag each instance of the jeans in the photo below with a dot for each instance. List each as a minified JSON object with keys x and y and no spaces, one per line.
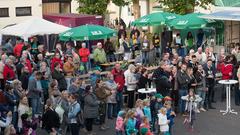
{"x":145,"y":57}
{"x":202,"y":94}
{"x":68,"y":80}
{"x":112,"y":110}
{"x":111,"y":58}
{"x":182,"y":92}
{"x":35,"y":104}
{"x":86,"y":67}
{"x":181,"y":52}
{"x":74,"y":128}
{"x":119,"y":98}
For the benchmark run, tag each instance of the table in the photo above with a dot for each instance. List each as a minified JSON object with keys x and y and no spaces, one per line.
{"x":147,"y":91}
{"x":228,"y":84}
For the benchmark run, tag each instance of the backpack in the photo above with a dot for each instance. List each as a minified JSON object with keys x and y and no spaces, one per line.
{"x":80,"y":117}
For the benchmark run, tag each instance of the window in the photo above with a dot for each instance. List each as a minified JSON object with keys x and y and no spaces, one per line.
{"x":23,"y":11}
{"x":4,"y":12}
{"x":65,"y":7}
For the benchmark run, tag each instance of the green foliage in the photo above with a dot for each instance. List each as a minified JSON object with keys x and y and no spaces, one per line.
{"x":93,"y":7}
{"x":184,"y":6}
{"x":97,"y":7}
{"x":120,"y":2}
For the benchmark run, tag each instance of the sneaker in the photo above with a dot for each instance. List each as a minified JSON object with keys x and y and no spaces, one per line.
{"x":202,"y":109}
{"x":102,"y":128}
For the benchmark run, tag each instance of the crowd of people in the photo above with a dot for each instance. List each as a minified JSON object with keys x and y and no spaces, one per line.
{"x":44,"y":90}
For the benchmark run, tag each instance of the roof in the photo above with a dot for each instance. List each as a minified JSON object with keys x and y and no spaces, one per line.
{"x":229,"y":15}
{"x":70,"y":15}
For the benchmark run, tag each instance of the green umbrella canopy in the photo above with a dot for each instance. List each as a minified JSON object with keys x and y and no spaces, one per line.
{"x":157,"y":18}
{"x":87,"y":32}
{"x":190,"y":21}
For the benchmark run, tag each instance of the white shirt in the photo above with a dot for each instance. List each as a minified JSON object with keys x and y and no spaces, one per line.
{"x":163,"y":122}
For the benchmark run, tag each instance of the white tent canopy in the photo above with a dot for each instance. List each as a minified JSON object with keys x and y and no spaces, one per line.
{"x":226,"y":15}
{"x":32,"y":27}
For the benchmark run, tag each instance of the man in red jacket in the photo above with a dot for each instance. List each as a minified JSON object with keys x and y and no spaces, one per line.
{"x":118,"y":75}
{"x":18,"y":48}
{"x":8,"y":71}
{"x":84,"y":56}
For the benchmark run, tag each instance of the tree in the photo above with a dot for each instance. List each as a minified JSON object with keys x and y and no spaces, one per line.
{"x":136,"y":9}
{"x":184,"y":6}
{"x":120,"y":3}
{"x":93,"y":7}
{"x":97,"y":7}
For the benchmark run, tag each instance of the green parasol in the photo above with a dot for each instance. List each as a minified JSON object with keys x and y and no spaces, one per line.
{"x":87,"y":32}
{"x":157,"y":18}
{"x":190,"y":21}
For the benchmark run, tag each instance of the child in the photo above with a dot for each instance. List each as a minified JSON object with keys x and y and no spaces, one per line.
{"x":29,"y":126}
{"x":130,"y":122}
{"x":147,"y":110}
{"x":191,"y":106}
{"x":157,"y":107}
{"x":120,"y":123}
{"x":139,"y":112}
{"x":145,"y":124}
{"x":170,"y":114}
{"x":163,"y":121}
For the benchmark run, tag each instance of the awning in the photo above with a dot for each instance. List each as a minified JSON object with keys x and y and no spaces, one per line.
{"x":228,"y":15}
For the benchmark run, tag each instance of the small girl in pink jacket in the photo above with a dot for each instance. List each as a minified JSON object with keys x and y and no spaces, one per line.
{"x":120,"y":123}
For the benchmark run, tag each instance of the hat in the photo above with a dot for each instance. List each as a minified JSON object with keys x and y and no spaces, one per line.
{"x":132,"y":130}
{"x":158,"y":95}
{"x":121,"y":113}
{"x":167,"y":98}
{"x":144,"y":131}
{"x":98,"y":68}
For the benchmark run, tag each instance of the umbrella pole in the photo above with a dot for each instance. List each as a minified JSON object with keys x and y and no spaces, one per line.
{"x":89,"y":60}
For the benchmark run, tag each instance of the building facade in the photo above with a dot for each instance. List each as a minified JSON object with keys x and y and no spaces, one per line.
{"x":14,"y":11}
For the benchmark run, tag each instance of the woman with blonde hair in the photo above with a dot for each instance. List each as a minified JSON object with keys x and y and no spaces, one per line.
{"x":22,"y":109}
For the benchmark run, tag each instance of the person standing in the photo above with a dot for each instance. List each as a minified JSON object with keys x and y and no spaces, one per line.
{"x":145,"y":50}
{"x":210,"y":81}
{"x":162,"y":80}
{"x":118,"y":75}
{"x":201,"y":86}
{"x":68,"y":69}
{"x":156,"y":44}
{"x":8,"y":46}
{"x":90,"y":111}
{"x":50,"y":118}
{"x":84,"y":54}
{"x":35,"y":92}
{"x":74,"y":109}
{"x":58,"y":75}
{"x":99,"y":55}
{"x":131,"y":84}
{"x":102,"y":93}
{"x":110,"y":50}
{"x":9,"y":71}
{"x":183,"y":81}
{"x":189,"y":41}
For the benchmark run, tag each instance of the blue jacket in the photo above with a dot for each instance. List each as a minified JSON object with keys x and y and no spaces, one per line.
{"x":74,"y":109}
{"x":170,"y":117}
{"x":147,"y":112}
{"x":131,"y":123}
